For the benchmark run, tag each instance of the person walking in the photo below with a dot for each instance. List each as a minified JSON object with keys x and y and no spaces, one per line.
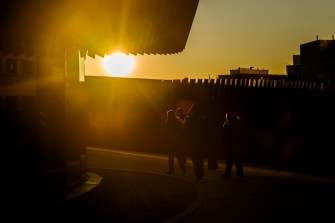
{"x":233,"y":145}
{"x":195,"y":138}
{"x":172,"y":141}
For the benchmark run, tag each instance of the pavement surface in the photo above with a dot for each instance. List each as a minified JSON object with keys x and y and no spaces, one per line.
{"x":133,"y":187}
{"x":132,"y":196}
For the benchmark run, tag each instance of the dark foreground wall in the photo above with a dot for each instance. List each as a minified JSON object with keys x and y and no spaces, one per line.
{"x":288,"y":122}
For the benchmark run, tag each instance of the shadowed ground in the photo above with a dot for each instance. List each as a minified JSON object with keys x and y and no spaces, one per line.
{"x":133,"y":187}
{"x":131,"y":196}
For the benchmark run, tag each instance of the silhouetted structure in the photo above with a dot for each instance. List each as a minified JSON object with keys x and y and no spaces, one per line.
{"x":316,"y":62}
{"x":97,"y":27}
{"x":251,"y":73}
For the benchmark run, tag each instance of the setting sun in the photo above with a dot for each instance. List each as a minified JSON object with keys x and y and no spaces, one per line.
{"x":118,"y":64}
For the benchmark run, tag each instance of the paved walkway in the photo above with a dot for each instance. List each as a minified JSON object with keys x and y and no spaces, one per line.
{"x":132,"y":196}
{"x":265,"y":195}
{"x":127,"y":187}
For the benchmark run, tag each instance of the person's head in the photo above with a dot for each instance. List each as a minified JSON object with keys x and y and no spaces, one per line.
{"x":169,"y":114}
{"x":231,"y":116}
{"x":180,"y":113}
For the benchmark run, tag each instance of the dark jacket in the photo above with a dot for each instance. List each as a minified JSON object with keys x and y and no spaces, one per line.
{"x":233,"y":139}
{"x":195,"y":132}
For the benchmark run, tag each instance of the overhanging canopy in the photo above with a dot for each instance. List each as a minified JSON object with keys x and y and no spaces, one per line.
{"x":96,"y":26}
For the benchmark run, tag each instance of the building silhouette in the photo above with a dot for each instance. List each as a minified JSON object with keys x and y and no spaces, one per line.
{"x":316,"y":62}
{"x":251,"y":73}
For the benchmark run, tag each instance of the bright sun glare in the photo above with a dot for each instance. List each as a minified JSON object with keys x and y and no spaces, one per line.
{"x":118,"y":64}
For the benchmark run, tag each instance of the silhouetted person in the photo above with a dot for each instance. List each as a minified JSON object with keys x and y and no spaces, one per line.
{"x":233,"y":145}
{"x":180,"y":114}
{"x":195,"y":137}
{"x":172,"y":140}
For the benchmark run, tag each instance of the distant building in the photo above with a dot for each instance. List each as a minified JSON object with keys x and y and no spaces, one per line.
{"x":250,"y":73}
{"x":316,"y":62}
{"x":294,"y":71}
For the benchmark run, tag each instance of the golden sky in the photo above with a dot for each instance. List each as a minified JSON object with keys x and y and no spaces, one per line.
{"x":227,"y":34}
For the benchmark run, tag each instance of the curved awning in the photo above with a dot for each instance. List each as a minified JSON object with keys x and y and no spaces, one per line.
{"x":96,"y":26}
